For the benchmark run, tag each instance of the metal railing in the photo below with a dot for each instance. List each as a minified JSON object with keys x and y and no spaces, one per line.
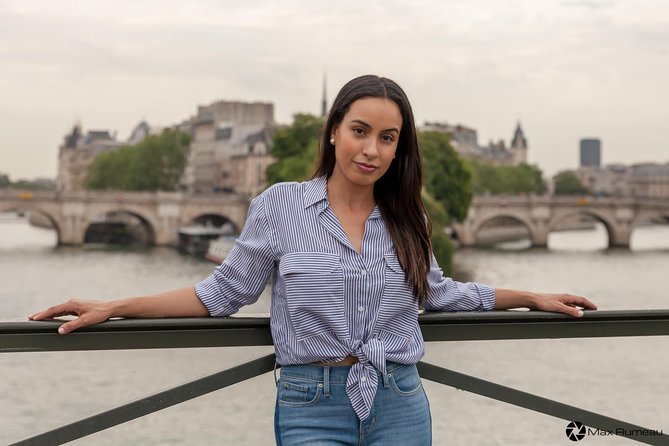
{"x":24,"y":336}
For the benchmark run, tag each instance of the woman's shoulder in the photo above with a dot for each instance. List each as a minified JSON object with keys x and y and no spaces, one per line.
{"x":289,"y":191}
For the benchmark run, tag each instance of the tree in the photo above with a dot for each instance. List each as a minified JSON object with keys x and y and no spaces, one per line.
{"x":567,"y":183}
{"x":295,"y":149}
{"x":155,"y":163}
{"x":491,"y":179}
{"x":444,"y":175}
{"x":442,"y":246}
{"x":4,"y":180}
{"x":447,"y":193}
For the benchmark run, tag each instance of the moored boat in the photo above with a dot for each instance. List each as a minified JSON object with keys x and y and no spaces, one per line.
{"x":195,"y":240}
{"x":220,"y":248}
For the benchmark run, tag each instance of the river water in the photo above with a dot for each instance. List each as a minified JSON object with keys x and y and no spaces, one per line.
{"x":625,"y":378}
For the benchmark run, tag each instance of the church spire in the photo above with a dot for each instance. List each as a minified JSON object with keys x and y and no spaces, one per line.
{"x":519,"y":146}
{"x":519,"y":138}
{"x":324,"y":103}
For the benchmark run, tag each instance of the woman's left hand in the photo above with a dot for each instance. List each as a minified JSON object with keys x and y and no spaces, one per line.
{"x":553,"y":302}
{"x":563,"y":303}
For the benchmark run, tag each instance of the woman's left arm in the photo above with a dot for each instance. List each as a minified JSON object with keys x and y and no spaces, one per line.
{"x":556,"y":303}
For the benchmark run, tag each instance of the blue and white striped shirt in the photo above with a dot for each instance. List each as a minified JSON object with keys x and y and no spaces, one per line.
{"x":328,"y":300}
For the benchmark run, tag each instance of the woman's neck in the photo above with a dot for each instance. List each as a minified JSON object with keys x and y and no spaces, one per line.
{"x":350,"y":196}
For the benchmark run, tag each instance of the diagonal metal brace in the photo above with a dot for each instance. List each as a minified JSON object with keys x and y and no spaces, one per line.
{"x":538,"y":404}
{"x":151,"y":404}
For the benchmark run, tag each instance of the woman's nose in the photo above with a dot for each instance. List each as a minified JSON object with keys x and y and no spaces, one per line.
{"x":371,"y":150}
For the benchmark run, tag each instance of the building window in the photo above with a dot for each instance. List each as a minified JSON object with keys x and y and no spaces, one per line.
{"x":223,"y":133}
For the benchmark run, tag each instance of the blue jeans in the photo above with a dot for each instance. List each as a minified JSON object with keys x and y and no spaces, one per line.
{"x":312,"y":408}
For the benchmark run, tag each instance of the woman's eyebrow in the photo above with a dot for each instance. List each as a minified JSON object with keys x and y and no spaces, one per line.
{"x":364,"y":124}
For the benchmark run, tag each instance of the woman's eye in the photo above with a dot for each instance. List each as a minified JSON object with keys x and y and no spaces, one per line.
{"x":387,"y":138}
{"x":358,"y":131}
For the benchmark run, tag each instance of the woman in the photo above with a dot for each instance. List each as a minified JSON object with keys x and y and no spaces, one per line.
{"x":350,"y":261}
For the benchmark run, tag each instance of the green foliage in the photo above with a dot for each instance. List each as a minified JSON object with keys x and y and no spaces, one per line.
{"x":443,"y":249}
{"x":444,"y":174}
{"x":155,"y":163}
{"x":447,"y":193}
{"x":442,"y":246}
{"x":295,"y":149}
{"x":491,"y":179}
{"x":5,"y":181}
{"x":435,"y":209}
{"x":567,"y":183}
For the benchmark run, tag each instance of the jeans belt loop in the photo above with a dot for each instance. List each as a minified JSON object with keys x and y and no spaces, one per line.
{"x":386,"y":379}
{"x":326,"y":380}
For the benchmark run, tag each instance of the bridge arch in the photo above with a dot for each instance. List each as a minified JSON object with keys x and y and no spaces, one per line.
{"x":31,"y":208}
{"x":212,"y":217}
{"x":592,"y":214}
{"x":650,"y":215}
{"x":502,"y":216}
{"x":650,"y":220}
{"x":123,"y":215}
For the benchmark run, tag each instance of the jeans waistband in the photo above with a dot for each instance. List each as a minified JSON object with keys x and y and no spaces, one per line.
{"x":333,"y":374}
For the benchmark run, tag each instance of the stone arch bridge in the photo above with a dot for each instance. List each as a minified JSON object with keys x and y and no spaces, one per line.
{"x":543,"y":214}
{"x":162,"y":213}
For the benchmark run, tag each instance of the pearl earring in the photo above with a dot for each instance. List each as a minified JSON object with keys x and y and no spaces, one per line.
{"x":332,"y":141}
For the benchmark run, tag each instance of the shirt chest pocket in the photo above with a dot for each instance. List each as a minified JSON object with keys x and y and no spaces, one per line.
{"x":398,"y":315}
{"x":314,"y":290}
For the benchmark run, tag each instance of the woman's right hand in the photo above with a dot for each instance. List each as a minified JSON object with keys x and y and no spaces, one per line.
{"x":176,"y":303}
{"x":88,"y":312}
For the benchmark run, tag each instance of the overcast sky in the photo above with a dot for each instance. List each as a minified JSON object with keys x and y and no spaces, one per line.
{"x":566,"y":69}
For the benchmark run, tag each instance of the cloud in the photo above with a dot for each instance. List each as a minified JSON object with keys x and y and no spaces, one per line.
{"x":591,"y":4}
{"x":483,"y":63}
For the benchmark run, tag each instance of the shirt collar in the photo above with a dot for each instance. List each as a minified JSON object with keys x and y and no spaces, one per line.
{"x":316,"y":191}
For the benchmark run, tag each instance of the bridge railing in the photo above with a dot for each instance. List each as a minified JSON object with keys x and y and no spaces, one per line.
{"x":24,"y":336}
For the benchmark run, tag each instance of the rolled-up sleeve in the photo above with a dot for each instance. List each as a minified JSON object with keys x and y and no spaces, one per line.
{"x":446,"y":294}
{"x":244,"y":273}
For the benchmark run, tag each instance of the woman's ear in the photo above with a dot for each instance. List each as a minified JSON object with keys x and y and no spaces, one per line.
{"x":333,"y":132}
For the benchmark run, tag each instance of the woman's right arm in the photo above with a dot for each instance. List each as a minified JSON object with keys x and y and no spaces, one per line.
{"x":176,"y":303}
{"x":237,"y":282}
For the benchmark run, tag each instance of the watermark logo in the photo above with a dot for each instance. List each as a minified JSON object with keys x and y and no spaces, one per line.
{"x":576,"y":431}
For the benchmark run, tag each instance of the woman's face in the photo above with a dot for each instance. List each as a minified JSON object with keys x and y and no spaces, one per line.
{"x":366,"y":140}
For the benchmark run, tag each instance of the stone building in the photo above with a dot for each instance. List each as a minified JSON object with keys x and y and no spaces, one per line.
{"x":645,"y":180}
{"x":465,"y":142}
{"x":79,"y":149}
{"x":649,"y":180}
{"x":230,"y":147}
{"x":610,"y":180}
{"x":77,"y":153}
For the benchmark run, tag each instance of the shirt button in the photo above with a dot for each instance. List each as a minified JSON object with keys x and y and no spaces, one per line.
{"x":363,"y":272}
{"x":363,"y":379}
{"x":361,"y":308}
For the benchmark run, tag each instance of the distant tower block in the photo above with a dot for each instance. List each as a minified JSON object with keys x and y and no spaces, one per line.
{"x":591,"y":152}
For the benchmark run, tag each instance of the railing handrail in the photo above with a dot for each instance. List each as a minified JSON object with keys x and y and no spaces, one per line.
{"x":247,"y":330}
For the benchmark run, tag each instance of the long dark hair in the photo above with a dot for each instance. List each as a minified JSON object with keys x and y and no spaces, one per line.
{"x":397,"y":192}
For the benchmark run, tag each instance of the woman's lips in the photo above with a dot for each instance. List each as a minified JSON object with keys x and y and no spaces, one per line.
{"x":366,"y":167}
